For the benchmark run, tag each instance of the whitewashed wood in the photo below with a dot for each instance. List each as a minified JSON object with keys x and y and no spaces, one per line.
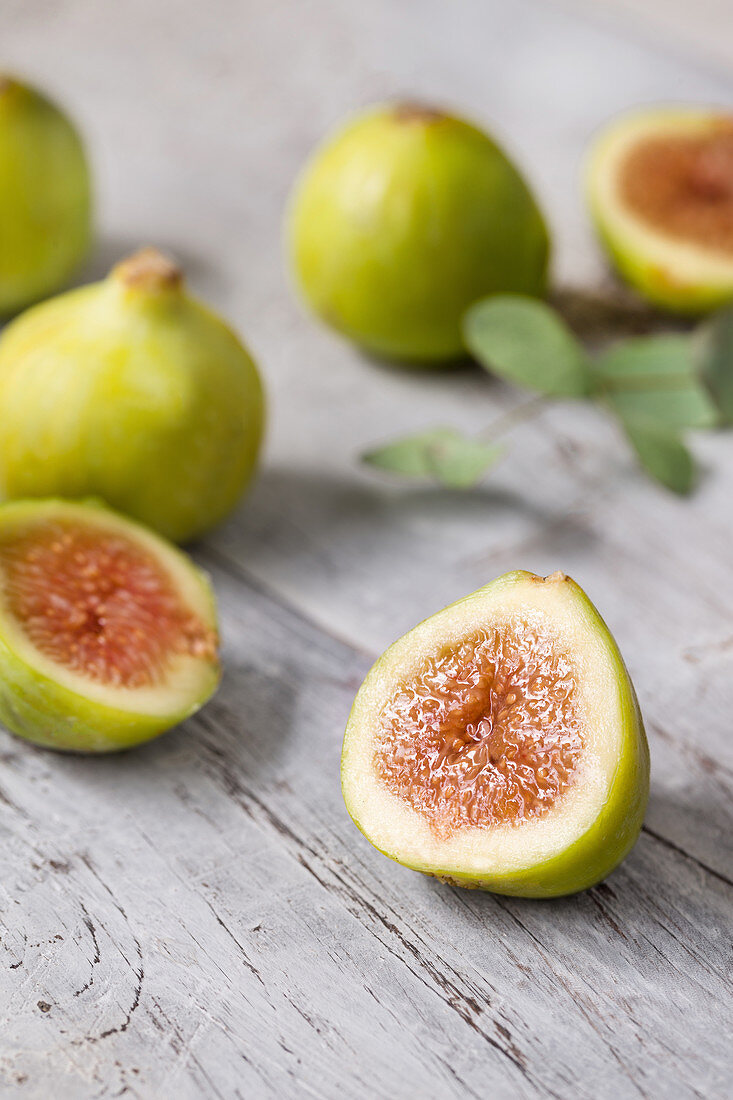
{"x":702,"y":28}
{"x":200,"y":918}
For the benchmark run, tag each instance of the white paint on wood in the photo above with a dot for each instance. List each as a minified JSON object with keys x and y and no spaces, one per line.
{"x":199,"y":917}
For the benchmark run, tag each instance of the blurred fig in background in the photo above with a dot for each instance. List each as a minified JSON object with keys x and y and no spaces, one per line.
{"x":660,"y":189}
{"x":405,"y":218}
{"x":45,"y":197}
{"x":132,"y":391}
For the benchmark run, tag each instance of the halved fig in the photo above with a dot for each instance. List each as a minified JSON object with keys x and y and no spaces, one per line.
{"x":660,"y":188}
{"x":108,"y":633}
{"x":499,"y":744}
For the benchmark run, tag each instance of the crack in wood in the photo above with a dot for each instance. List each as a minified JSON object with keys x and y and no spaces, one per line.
{"x":245,"y":958}
{"x":95,"y":959}
{"x":504,"y":904}
{"x":593,"y":895}
{"x":235,"y":570}
{"x":459,"y":1000}
{"x":137,"y":970}
{"x":670,"y":844}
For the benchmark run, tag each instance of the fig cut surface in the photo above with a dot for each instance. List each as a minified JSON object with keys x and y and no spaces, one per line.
{"x":107,"y":632}
{"x":499,"y":744}
{"x":660,"y":187}
{"x":683,"y":186}
{"x":98,"y":604}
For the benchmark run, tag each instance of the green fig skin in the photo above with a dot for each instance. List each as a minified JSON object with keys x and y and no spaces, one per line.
{"x":45,"y":197}
{"x":657,"y":284}
{"x":47,"y":714}
{"x":40,"y":709}
{"x":403,"y":220}
{"x":593,"y":855}
{"x":131,"y":391}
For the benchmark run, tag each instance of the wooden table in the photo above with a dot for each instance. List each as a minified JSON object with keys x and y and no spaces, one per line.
{"x":199,"y":918}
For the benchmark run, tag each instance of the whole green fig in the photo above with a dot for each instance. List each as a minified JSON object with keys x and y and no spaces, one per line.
{"x":45,"y":201}
{"x":403,"y":220}
{"x":131,"y":391}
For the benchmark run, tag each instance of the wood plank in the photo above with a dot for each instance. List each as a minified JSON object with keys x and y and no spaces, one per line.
{"x":200,"y":917}
{"x":203,"y":912}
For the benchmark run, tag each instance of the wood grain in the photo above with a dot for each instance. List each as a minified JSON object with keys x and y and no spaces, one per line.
{"x":200,"y":917}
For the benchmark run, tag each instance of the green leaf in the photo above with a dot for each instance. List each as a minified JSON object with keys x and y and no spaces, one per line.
{"x":525,"y":342}
{"x":442,"y":454}
{"x":662,"y":453}
{"x":713,"y":347}
{"x":654,"y":378}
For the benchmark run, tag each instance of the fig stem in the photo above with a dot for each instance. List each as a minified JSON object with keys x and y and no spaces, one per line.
{"x":148,"y":269}
{"x":643,"y":383}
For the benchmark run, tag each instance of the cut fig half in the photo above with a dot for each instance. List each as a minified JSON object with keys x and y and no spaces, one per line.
{"x":499,"y":744}
{"x":108,"y":633}
{"x":660,"y":189}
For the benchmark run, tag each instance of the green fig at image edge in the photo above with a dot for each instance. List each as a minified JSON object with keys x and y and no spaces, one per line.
{"x":401,"y":221}
{"x":45,"y":197}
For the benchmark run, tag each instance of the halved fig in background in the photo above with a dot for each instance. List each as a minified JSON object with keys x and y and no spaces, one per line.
{"x":660,"y":188}
{"x":108,"y":633}
{"x":499,"y":744}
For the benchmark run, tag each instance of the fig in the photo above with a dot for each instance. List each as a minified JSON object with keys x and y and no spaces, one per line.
{"x":660,"y":190}
{"x":134,"y":392}
{"x":403,"y":220}
{"x":500,"y":745}
{"x":108,"y":633}
{"x":45,"y":197}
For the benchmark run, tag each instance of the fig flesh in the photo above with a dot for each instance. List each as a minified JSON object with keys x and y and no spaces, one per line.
{"x":132,"y":391}
{"x":499,"y":744}
{"x":402,"y":220}
{"x":45,"y":197}
{"x":660,"y":189}
{"x":108,"y":633}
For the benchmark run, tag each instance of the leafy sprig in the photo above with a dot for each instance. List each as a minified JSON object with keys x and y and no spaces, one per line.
{"x":657,"y":387}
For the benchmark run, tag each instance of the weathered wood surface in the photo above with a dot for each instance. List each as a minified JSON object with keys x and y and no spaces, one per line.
{"x":199,"y":917}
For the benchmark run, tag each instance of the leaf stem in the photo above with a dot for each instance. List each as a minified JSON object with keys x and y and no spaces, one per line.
{"x":645,"y":383}
{"x":504,"y":423}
